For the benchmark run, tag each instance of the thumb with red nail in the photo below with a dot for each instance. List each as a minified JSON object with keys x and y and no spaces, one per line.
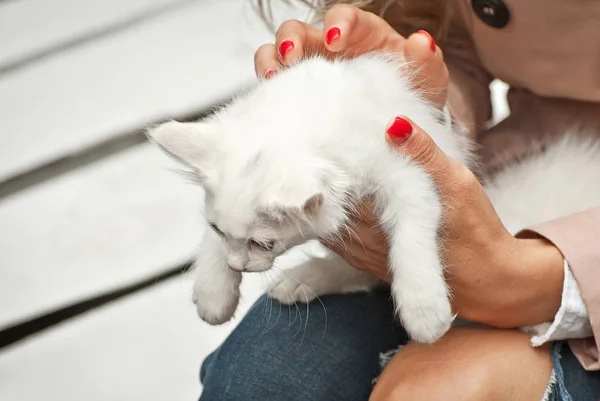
{"x":404,"y":134}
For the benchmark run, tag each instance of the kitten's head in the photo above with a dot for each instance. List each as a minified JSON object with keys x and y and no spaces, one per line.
{"x":261,"y":197}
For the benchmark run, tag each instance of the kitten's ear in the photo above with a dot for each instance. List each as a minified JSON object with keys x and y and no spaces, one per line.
{"x":192,"y":144}
{"x":303,"y":207}
{"x":312,"y":205}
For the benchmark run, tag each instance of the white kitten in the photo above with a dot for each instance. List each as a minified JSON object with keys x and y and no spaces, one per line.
{"x":286,"y":163}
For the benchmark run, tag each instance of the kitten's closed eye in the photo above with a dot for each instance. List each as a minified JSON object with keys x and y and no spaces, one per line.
{"x":216,"y":228}
{"x":265,"y":246}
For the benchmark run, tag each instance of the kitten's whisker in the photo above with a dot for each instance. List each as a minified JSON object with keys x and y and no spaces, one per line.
{"x":278,"y":316}
{"x":298,"y":312}
{"x":303,"y":286}
{"x":289,"y":306}
{"x":269,"y":317}
{"x":264,"y":311}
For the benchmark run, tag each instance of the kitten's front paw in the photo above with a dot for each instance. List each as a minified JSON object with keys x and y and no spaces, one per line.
{"x":426,"y":318}
{"x":215,"y":305}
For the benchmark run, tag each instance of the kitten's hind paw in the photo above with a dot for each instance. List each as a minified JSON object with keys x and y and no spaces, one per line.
{"x":320,"y":276}
{"x":290,"y":290}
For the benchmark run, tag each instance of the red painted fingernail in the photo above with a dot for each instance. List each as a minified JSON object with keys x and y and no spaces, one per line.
{"x":431,"y":40}
{"x":285,"y":47}
{"x":400,"y":130}
{"x":332,"y":34}
{"x":270,"y":74}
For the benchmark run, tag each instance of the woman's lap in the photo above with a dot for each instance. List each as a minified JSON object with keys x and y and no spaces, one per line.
{"x":275,"y":354}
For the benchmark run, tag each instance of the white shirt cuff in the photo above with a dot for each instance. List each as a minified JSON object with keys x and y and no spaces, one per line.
{"x":571,"y":320}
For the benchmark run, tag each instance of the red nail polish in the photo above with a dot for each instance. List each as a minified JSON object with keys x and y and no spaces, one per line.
{"x":332,"y":34}
{"x":270,"y":74}
{"x":431,"y":40}
{"x":400,"y":130}
{"x":285,"y":47}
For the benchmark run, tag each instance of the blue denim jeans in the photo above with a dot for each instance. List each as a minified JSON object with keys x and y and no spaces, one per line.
{"x":281,"y":353}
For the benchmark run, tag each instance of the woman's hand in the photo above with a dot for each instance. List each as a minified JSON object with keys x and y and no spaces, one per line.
{"x":495,"y":278}
{"x":350,"y":31}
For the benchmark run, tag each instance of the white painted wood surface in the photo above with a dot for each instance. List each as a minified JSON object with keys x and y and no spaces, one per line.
{"x":180,"y":61}
{"x":96,"y":228}
{"x":29,"y":28}
{"x":147,"y":347}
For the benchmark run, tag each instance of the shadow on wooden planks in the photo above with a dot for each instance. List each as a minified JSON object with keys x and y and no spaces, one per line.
{"x":20,"y":331}
{"x":97,"y":152}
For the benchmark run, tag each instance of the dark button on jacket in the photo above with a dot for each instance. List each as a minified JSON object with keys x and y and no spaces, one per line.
{"x":492,"y":12}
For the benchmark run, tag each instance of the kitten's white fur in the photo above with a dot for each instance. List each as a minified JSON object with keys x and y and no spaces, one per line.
{"x":287,"y":162}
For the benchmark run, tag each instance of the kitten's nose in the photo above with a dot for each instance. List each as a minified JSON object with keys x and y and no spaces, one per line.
{"x":237,"y":268}
{"x":236,"y":262}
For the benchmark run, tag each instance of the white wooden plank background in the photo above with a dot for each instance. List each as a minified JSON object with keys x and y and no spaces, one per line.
{"x":184,"y":59}
{"x":91,"y":230}
{"x":33,"y":27}
{"x":147,"y":347}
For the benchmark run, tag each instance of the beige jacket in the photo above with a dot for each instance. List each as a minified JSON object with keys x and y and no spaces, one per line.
{"x":548,"y":51}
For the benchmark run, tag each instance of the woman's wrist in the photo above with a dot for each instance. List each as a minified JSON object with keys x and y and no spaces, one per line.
{"x":547,"y":274}
{"x":534,"y":284}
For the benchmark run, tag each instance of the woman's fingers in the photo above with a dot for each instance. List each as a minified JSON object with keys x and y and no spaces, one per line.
{"x":266,"y":63}
{"x":363,"y":244}
{"x":349,"y":29}
{"x":430,"y":74}
{"x":295,"y":39}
